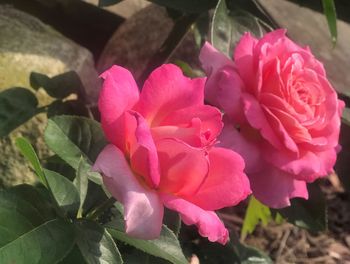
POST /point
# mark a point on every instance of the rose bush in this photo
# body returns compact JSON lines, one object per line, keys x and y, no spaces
{"x":282,"y":114}
{"x":162,"y":153}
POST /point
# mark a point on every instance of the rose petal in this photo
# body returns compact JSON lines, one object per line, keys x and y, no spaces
{"x":288,"y":143}
{"x":143,"y":210}
{"x":245,"y":46}
{"x":249,"y":149}
{"x":229,"y":86}
{"x":118,"y":94}
{"x":183,"y":168}
{"x":167,"y":90}
{"x":213,"y":63}
{"x":243,"y":58}
{"x":226,"y":184}
{"x":210,"y":121}
{"x":307,"y":167}
{"x":275,"y":187}
{"x":212,"y":60}
{"x":296,"y":131}
{"x":208,"y":223}
{"x":257,"y":119}
{"x":191,"y":135}
{"x":144,"y":157}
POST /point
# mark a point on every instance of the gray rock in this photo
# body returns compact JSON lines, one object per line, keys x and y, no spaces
{"x":125,"y":8}
{"x":138,"y":39}
{"x":26,"y":45}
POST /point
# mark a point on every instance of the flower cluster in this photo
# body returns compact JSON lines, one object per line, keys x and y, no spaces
{"x":167,"y":148}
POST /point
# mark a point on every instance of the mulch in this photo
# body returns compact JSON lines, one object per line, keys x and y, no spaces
{"x":286,"y":243}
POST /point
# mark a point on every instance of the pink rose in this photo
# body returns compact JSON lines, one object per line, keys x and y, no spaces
{"x":282,"y":114}
{"x":162,"y":153}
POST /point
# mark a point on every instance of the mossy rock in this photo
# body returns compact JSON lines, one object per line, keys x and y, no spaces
{"x":28,"y":45}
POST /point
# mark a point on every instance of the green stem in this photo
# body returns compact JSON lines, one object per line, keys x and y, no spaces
{"x":95,"y":213}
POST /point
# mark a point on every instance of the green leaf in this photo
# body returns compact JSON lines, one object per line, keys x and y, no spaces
{"x":346,"y":116}
{"x":18,"y":214}
{"x":96,"y":244}
{"x":94,"y":197}
{"x":249,"y":255}
{"x":233,"y":252}
{"x":28,"y":231}
{"x":38,"y":197}
{"x":187,"y":6}
{"x":186,"y":68}
{"x":81,"y":183}
{"x":256,"y":212}
{"x":28,"y":152}
{"x":59,"y":86}
{"x":46,"y":243}
{"x":17,"y":106}
{"x":59,"y":107}
{"x":55,"y":163}
{"x":310,"y":214}
{"x":133,"y":256}
{"x":228,"y":27}
{"x":331,"y":16}
{"x":172,"y":220}
{"x":342,"y":165}
{"x":166,"y":246}
{"x":64,"y":192}
{"x":74,"y":257}
{"x":72,"y":137}
{"x":201,"y":29}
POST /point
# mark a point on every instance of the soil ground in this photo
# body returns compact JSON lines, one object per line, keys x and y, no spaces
{"x":285,"y":243}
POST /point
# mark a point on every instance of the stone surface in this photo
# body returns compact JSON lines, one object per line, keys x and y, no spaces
{"x":309,"y":27}
{"x":140,"y":37}
{"x":126,"y":8}
{"x":137,"y":40}
{"x":26,"y":45}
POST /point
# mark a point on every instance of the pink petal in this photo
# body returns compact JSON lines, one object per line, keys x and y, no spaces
{"x":275,"y":187}
{"x":280,"y":130}
{"x":307,"y":167}
{"x":209,"y":117}
{"x":245,"y":47}
{"x":243,"y":57}
{"x":249,"y":149}
{"x":213,"y":62}
{"x":257,"y":119}
{"x":228,"y":86}
{"x":296,"y":131}
{"x":144,"y":157}
{"x":311,"y":62}
{"x":212,"y":59}
{"x":208,"y":223}
{"x":143,"y":210}
{"x":226,"y":184}
{"x":167,"y":90}
{"x":191,"y":135}
{"x":224,"y":85}
{"x":183,"y":167}
{"x":273,"y":37}
{"x":118,"y":94}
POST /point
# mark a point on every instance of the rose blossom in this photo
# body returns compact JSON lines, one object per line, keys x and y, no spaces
{"x":282,"y":114}
{"x":162,"y":153}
